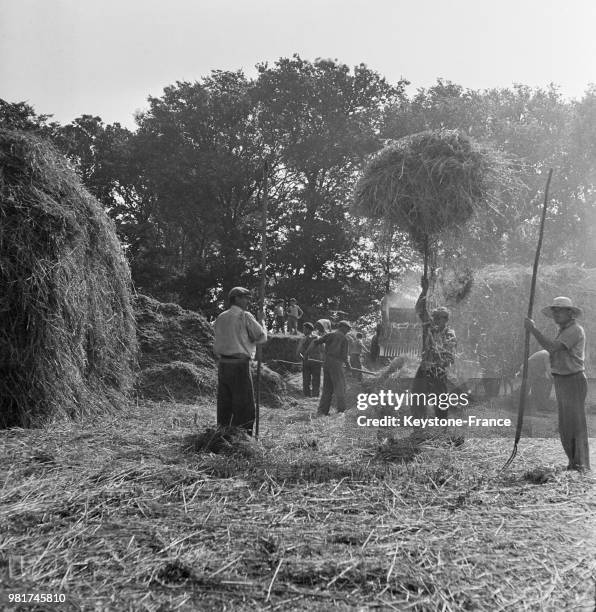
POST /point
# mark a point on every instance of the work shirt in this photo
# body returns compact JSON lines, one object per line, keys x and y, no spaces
{"x":278,"y":311}
{"x":569,"y":360}
{"x":336,"y":345}
{"x":237,"y":333}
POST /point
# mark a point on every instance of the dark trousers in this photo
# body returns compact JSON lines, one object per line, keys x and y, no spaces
{"x":334,"y":383}
{"x":292,"y":324}
{"x":571,"y":397}
{"x":355,"y":362}
{"x":235,"y":396}
{"x":311,"y":378}
{"x":426,"y":382}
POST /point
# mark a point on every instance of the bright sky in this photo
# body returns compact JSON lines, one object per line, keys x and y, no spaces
{"x":104,"y":57}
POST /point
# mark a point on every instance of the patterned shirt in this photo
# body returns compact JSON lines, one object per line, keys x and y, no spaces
{"x":439,"y":352}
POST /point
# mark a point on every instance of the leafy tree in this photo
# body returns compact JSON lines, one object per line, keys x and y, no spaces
{"x":201,"y":158}
{"x":22,"y":116}
{"x":319,"y":121}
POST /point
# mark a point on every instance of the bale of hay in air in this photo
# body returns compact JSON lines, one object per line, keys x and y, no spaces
{"x":429,"y":182}
{"x":67,"y":331}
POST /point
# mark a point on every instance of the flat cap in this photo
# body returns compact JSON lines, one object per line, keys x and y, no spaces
{"x":238,"y":291}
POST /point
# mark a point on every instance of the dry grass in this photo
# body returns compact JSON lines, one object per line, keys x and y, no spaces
{"x":124,"y":514}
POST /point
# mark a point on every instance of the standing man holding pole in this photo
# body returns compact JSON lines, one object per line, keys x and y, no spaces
{"x":237,"y":334}
{"x":567,"y":366}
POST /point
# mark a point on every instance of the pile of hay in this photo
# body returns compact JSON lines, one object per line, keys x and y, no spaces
{"x":431,"y":181}
{"x":231,"y":441}
{"x":489,"y":321}
{"x":279,"y":352}
{"x":67,"y":331}
{"x":176,"y":356}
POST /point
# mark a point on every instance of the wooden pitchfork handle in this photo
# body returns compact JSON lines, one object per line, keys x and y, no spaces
{"x":351,"y":368}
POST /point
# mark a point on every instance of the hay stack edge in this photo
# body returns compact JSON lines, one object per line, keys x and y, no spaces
{"x":67,"y":330}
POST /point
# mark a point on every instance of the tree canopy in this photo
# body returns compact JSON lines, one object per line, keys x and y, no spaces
{"x":184,"y":188}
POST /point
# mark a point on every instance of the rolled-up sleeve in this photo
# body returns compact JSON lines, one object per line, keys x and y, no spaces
{"x":571,"y":336}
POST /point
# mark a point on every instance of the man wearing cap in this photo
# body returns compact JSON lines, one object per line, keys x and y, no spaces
{"x":336,"y":357}
{"x":311,"y":370}
{"x":293,"y":313}
{"x":237,"y":333}
{"x":437,"y":355}
{"x":567,"y":367}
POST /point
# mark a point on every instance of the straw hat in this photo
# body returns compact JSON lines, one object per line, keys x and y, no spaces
{"x":561,"y":302}
{"x":344,"y":324}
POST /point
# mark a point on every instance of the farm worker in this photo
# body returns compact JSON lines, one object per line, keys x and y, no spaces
{"x":280,"y":316}
{"x":375,"y":349}
{"x":540,"y":380}
{"x":311,"y":370}
{"x":437,"y":355}
{"x":336,"y":356}
{"x":566,"y":352}
{"x":356,"y":350}
{"x":294,"y":313}
{"x":237,"y":333}
{"x":323,"y":326}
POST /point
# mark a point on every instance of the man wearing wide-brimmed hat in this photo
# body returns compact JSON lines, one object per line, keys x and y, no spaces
{"x":237,"y":333}
{"x":567,"y":366}
{"x":336,"y":357}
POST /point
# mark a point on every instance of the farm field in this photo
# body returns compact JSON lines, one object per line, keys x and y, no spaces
{"x":122,"y":514}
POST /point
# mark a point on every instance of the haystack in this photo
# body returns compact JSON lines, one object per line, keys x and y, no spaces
{"x":279,"y":353}
{"x":176,"y":356}
{"x":67,"y":332}
{"x":429,"y":182}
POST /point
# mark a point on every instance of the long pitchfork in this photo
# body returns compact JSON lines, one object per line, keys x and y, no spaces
{"x":524,"y":383}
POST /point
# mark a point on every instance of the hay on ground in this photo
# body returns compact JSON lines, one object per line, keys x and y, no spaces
{"x":67,"y":329}
{"x":224,"y":440}
{"x":178,"y":380}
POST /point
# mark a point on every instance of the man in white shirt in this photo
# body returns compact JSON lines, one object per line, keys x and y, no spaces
{"x":237,"y":333}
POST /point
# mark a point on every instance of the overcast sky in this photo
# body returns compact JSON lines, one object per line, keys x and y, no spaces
{"x":104,"y":57}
